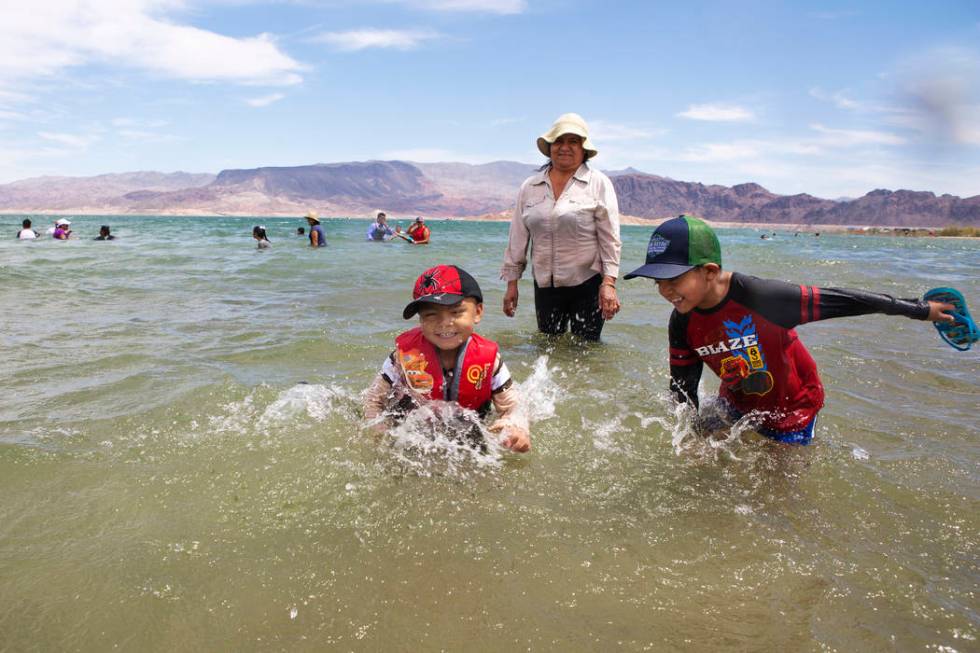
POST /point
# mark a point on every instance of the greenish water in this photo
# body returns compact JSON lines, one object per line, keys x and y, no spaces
{"x":168,"y":483}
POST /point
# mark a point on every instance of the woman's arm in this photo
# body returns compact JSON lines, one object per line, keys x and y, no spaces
{"x":610,"y":247}
{"x":515,"y":255}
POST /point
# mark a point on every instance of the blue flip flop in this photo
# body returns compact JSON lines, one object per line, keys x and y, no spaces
{"x":962,"y":332}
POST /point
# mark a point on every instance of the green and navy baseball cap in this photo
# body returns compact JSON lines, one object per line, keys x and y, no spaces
{"x":678,"y":245}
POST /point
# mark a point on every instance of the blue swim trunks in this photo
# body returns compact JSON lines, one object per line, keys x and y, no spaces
{"x":801,"y":436}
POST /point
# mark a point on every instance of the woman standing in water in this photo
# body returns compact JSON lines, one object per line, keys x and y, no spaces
{"x":568,"y":213}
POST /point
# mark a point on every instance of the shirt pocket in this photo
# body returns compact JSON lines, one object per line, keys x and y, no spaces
{"x":581,"y":207}
{"x":534,"y":197}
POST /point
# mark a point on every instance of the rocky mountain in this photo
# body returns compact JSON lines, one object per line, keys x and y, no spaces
{"x":651,"y":196}
{"x":81,"y":193}
{"x":456,"y":189}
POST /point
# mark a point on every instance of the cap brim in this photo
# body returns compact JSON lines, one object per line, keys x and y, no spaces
{"x":443,"y":299}
{"x":659,"y":271}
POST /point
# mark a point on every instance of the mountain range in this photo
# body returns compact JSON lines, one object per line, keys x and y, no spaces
{"x":456,"y":189}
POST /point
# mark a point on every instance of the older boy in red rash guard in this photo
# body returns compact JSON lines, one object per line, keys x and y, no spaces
{"x":742,"y":327}
{"x":444,"y":359}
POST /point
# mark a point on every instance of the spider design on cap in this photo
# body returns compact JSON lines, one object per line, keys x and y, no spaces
{"x":440,"y":279}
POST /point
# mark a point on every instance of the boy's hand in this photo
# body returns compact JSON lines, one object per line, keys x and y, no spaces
{"x":516,"y":439}
{"x":937,"y":312}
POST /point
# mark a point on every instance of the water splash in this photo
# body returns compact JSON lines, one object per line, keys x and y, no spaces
{"x":313,"y":400}
{"x":443,"y":439}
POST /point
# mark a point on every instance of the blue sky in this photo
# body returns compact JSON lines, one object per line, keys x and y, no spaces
{"x":834,"y":99}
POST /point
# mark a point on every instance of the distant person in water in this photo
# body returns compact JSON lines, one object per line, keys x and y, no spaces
{"x":317,"y":237}
{"x":379,"y":229}
{"x":418,"y":232}
{"x":26,"y":232}
{"x":62,"y":230}
{"x":300,"y":231}
{"x":104,"y":233}
{"x":258,"y":233}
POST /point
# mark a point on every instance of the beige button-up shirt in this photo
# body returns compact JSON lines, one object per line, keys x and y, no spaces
{"x":571,"y":238}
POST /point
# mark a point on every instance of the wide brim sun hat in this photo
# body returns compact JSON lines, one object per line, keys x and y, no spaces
{"x":312,"y":215}
{"x":567,"y":123}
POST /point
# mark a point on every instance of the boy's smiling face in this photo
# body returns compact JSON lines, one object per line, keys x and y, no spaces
{"x":693,"y":289}
{"x":448,"y":327}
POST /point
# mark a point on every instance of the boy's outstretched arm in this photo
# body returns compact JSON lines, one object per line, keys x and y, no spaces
{"x":790,"y":305}
{"x":374,"y":400}
{"x":511,"y":420}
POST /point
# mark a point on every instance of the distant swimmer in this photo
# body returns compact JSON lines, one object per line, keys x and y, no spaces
{"x":379,"y":229}
{"x":62,"y":230}
{"x":26,"y":232}
{"x":300,"y":231}
{"x":317,"y":237}
{"x":104,"y":233}
{"x":418,"y":232}
{"x":258,"y":233}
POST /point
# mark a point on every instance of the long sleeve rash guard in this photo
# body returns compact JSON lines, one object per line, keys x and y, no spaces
{"x":749,"y":341}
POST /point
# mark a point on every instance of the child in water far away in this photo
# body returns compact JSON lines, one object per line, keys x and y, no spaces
{"x":742,"y":328}
{"x":258,"y":233}
{"x":442,"y":358}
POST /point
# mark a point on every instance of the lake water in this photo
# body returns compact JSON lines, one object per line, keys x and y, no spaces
{"x":168,"y":483}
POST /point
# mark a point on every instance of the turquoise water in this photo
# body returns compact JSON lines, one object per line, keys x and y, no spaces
{"x":169,"y":483}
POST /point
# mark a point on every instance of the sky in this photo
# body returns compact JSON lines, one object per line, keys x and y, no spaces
{"x":830,"y":98}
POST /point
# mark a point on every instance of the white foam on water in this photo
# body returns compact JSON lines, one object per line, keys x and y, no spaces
{"x":860,"y":454}
{"x":539,"y":392}
{"x":315,"y":401}
{"x":433,"y":440}
{"x":688,"y":436}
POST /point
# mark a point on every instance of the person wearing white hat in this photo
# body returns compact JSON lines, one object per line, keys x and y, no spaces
{"x":62,"y":229}
{"x":317,"y":237}
{"x":568,"y":214}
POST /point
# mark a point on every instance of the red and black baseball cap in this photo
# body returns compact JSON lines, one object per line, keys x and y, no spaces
{"x":445,"y":285}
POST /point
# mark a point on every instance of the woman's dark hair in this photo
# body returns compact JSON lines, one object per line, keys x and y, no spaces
{"x":260,"y":232}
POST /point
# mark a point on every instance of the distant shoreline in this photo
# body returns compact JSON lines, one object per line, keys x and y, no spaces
{"x":505,"y":216}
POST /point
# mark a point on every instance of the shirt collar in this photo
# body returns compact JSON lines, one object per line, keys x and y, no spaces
{"x":583,"y":174}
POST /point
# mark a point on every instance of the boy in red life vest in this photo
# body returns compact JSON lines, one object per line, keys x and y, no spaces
{"x":418,"y":232}
{"x":742,"y":327}
{"x":444,"y":359}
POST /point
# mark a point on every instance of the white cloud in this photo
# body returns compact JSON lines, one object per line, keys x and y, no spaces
{"x":44,"y":37}
{"x":602,"y":131}
{"x":852,"y":137}
{"x":717,"y":113}
{"x":144,"y":136}
{"x":78,"y":141}
{"x":362,"y":39}
{"x":264,"y":100}
{"x":715,"y":152}
{"x":482,"y":6}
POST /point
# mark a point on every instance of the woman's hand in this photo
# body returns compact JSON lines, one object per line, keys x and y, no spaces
{"x":510,"y":299}
{"x":608,"y":300}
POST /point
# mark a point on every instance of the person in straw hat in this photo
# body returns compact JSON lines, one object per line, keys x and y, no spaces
{"x":317,"y":237}
{"x":568,"y":213}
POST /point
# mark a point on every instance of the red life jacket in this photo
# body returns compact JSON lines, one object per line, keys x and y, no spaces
{"x":470,"y":387}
